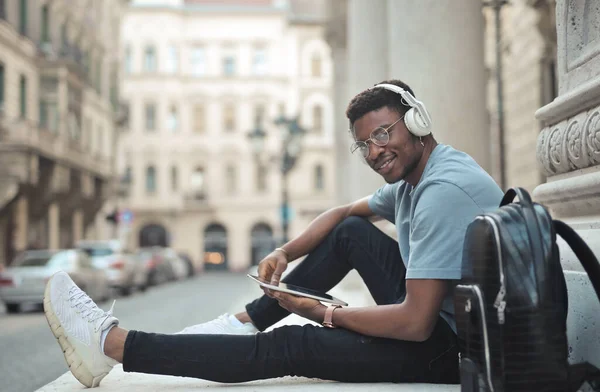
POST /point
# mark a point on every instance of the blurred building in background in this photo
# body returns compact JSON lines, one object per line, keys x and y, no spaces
{"x":198,"y":77}
{"x":58,"y":91}
{"x":527,"y":46}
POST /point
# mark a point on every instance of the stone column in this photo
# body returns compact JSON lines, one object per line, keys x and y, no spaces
{"x":21,"y":224}
{"x":568,"y":150}
{"x":436,"y":47}
{"x":77,"y":226}
{"x":365,"y":62}
{"x":53,"y":226}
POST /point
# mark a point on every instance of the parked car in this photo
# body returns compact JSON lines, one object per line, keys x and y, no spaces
{"x":158,"y":270}
{"x":191,"y":267}
{"x":124,"y":272}
{"x":180,"y":268}
{"x":24,"y":281}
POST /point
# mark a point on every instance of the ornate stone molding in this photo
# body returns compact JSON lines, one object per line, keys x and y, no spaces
{"x":571,"y":144}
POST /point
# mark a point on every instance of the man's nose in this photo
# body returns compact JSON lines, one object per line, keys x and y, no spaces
{"x":375,"y":151}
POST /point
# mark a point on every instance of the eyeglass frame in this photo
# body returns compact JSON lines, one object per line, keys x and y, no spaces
{"x":356,"y":145}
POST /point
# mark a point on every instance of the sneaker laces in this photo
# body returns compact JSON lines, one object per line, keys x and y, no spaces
{"x":88,"y":308}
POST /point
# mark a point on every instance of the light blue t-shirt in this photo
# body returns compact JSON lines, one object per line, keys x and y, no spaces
{"x":431,"y":219}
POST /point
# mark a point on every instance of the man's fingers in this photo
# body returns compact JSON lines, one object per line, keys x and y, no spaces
{"x":275,"y":278}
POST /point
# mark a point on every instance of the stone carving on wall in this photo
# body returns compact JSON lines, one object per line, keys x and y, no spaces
{"x":571,"y":144}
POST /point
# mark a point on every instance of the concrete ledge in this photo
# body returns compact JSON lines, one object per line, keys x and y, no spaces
{"x":118,"y":380}
{"x":352,"y":290}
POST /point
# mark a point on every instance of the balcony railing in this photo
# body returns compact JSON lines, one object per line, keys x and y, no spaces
{"x":23,"y":134}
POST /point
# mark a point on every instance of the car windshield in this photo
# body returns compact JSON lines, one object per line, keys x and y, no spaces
{"x":33,"y":260}
{"x":93,"y":251}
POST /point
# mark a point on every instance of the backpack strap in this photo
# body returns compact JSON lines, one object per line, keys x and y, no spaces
{"x":581,"y":372}
{"x":583,"y":252}
{"x":533,"y":226}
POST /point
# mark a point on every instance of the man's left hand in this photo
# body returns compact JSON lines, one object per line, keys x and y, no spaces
{"x":302,"y":306}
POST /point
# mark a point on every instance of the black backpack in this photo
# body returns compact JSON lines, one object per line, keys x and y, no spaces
{"x":511,"y":303}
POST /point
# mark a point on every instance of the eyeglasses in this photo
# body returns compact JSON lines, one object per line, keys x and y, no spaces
{"x":380,"y":137}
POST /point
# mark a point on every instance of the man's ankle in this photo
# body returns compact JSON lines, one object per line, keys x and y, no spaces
{"x":244,"y":318}
{"x":114,"y":346}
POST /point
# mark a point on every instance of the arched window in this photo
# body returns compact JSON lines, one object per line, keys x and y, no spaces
{"x":150,"y":179}
{"x":319,"y":178}
{"x":316,"y":66}
{"x":173,"y":120}
{"x":317,"y":119}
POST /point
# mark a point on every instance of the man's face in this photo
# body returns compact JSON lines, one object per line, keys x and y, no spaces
{"x":400,"y":156}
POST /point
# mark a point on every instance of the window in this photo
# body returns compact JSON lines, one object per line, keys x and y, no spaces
{"x":199,"y":119}
{"x":231,"y":179}
{"x":23,"y":17}
{"x":128,"y":60}
{"x":173,"y":120}
{"x":150,"y":115}
{"x":64,"y":36}
{"x":319,"y":180}
{"x":23,"y":96}
{"x":317,"y":118}
{"x":128,"y":176}
{"x":261,"y":178}
{"x":150,"y":59}
{"x":98,"y":76}
{"x":259,"y":61}
{"x":198,"y":59}
{"x":281,"y":109}
{"x":174,"y":178}
{"x":197,"y":183}
{"x":259,"y":114}
{"x":315,"y":66}
{"x":49,"y":115}
{"x":150,"y":179}
{"x":229,"y":117}
{"x":45,"y":28}
{"x":3,"y":9}
{"x":229,"y":65}
{"x":172,"y":60}
{"x":2,"y":87}
{"x":100,"y":144}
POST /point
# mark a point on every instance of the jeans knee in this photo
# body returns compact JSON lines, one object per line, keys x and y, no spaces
{"x":352,"y":226}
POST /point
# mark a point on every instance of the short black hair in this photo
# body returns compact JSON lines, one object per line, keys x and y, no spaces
{"x":374,"y":99}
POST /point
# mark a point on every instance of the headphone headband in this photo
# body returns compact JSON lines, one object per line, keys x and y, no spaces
{"x":410,"y":101}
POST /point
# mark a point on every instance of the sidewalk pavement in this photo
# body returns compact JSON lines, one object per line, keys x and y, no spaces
{"x":351,"y":290}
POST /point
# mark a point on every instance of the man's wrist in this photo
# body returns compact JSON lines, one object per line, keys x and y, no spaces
{"x":318,"y":313}
{"x":284,"y":252}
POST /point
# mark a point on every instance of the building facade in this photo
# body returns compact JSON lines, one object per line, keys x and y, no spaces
{"x":195,"y":89}
{"x":58,"y":97}
{"x":527,"y":48}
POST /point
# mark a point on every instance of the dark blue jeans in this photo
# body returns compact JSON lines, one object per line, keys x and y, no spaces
{"x":309,"y":351}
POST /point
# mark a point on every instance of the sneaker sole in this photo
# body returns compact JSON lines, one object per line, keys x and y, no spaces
{"x":76,"y":366}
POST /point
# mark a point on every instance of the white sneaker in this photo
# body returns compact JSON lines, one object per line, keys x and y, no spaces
{"x":77,"y":323}
{"x":222,"y":325}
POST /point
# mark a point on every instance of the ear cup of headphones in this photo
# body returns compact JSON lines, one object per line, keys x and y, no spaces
{"x":415,"y":124}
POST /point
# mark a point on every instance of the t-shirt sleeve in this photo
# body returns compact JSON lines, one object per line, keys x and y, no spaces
{"x":441,"y":216}
{"x":383,"y":202}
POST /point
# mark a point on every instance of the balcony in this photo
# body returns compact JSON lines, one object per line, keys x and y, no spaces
{"x":18,"y":135}
{"x":197,"y":201}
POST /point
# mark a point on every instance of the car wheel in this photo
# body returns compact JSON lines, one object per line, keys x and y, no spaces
{"x":125,"y":291}
{"x":13,"y":308}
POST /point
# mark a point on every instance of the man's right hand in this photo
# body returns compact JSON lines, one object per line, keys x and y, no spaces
{"x":271,"y":268}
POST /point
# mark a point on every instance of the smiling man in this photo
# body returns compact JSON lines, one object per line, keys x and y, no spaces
{"x":433,"y":193}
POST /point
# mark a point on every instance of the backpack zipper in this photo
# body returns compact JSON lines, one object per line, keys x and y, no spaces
{"x":499,"y":302}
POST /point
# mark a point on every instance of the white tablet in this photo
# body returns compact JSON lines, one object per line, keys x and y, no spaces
{"x":299,"y":291}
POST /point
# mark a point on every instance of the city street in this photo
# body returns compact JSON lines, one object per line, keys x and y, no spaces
{"x":30,"y":356}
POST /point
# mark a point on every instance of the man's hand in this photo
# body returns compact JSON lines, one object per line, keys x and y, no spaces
{"x":306,"y":307}
{"x":271,"y":267}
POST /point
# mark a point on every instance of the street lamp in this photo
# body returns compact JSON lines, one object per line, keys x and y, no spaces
{"x":291,"y":148}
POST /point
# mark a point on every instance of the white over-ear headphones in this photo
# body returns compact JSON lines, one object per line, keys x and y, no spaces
{"x":417,"y":119}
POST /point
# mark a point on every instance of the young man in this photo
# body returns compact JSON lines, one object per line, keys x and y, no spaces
{"x":433,"y":193}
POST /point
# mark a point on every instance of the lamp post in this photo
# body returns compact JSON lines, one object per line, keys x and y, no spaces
{"x":291,"y":148}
